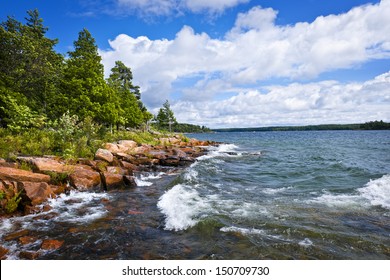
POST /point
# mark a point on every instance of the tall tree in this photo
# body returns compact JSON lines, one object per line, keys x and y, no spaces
{"x":85,"y":90}
{"x":121,"y":81}
{"x":29,"y":66}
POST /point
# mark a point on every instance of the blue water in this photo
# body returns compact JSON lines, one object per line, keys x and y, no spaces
{"x":260,"y":195}
{"x":321,"y":194}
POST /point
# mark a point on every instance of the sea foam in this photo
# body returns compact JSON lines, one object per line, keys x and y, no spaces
{"x":182,"y":207}
{"x":374,"y":193}
{"x":377,"y":192}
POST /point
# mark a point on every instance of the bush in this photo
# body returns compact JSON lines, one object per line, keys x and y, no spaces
{"x":13,"y":203}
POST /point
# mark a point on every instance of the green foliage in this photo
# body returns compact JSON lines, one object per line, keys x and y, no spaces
{"x":165,"y":117}
{"x":375,"y":125}
{"x":190,"y":128}
{"x":57,"y":178}
{"x":25,"y":166}
{"x":2,"y":195}
{"x":12,"y":204}
{"x":38,"y":86}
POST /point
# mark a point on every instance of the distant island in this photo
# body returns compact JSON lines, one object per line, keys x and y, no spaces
{"x":373,"y":125}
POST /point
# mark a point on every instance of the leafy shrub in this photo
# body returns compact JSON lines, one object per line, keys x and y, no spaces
{"x":13,"y":203}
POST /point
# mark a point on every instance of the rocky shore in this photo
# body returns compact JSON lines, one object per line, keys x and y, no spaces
{"x":27,"y":182}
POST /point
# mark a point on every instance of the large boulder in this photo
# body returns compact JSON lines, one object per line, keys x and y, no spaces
{"x":19,"y":175}
{"x":144,"y":149}
{"x":35,"y":193}
{"x":179,"y":153}
{"x":116,"y":148}
{"x":128,"y":166}
{"x":117,"y":170}
{"x":103,"y":154}
{"x":84,"y":179}
{"x":129,"y":144}
{"x":113,"y":181}
{"x":47,"y":165}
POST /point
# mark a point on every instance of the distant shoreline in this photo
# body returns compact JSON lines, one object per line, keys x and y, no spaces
{"x":377,"y":125}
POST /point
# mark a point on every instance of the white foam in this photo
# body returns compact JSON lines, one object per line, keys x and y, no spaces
{"x":306,"y":242}
{"x":340,"y":200}
{"x":142,"y":183}
{"x":152,"y":176}
{"x":143,"y":180}
{"x":377,"y":192}
{"x":243,"y":231}
{"x":191,"y":174}
{"x":182,"y":207}
{"x":221,"y":150}
{"x":275,"y":191}
{"x":78,"y":207}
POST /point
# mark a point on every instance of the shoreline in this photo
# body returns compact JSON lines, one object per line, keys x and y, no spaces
{"x":114,"y":168}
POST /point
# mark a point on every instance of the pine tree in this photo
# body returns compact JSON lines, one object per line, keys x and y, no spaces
{"x":85,"y":90}
{"x":165,"y":117}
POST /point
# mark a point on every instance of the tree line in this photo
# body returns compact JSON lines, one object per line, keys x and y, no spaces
{"x":39,"y":85}
{"x":373,"y":125}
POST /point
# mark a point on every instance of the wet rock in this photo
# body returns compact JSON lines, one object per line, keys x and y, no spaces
{"x":24,"y":240}
{"x":128,"y":166}
{"x":105,"y":155}
{"x":3,"y":252}
{"x":129,"y":181}
{"x":29,"y":255}
{"x":171,"y":161}
{"x":134,"y":212}
{"x":51,"y":244}
{"x":84,"y":179}
{"x":179,"y":153}
{"x":12,"y":174}
{"x":35,"y":193}
{"x":16,"y":235}
{"x":113,"y":181}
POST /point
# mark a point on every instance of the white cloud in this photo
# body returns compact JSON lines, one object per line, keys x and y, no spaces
{"x":294,"y":104}
{"x":254,"y":50}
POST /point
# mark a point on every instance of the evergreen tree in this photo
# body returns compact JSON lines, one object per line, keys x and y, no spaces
{"x":29,"y":67}
{"x":165,"y":117}
{"x":85,"y":92}
{"x":132,"y":111}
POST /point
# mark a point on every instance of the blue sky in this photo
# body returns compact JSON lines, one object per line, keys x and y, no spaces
{"x":236,"y":63}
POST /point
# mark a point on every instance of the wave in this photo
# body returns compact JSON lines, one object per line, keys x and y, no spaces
{"x":182,"y":207}
{"x":374,"y":193}
{"x":377,"y":192}
{"x":229,"y":150}
{"x":143,"y":180}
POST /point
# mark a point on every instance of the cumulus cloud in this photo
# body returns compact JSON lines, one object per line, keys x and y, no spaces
{"x":294,"y":104}
{"x":254,"y":50}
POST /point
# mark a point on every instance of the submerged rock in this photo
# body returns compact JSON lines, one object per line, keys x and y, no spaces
{"x":51,"y":244}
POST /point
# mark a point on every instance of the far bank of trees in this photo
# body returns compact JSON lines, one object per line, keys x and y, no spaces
{"x":166,"y":120}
